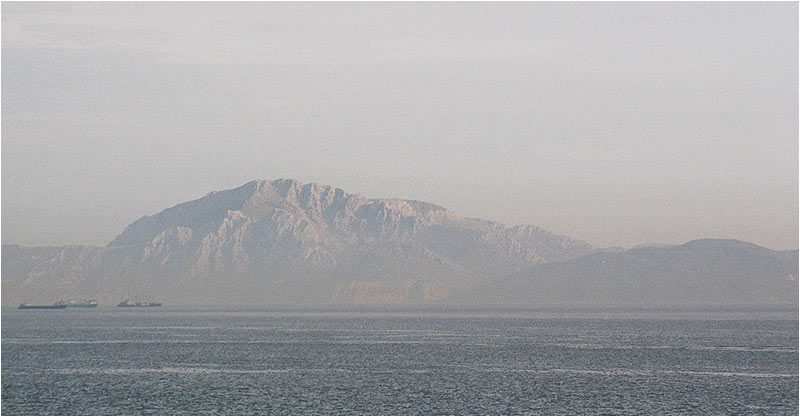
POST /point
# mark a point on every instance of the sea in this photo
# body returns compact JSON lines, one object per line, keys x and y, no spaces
{"x":399,"y":361}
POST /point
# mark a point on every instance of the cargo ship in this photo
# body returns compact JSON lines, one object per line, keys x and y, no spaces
{"x":128,"y":303}
{"x":84,"y":304}
{"x":26,"y":306}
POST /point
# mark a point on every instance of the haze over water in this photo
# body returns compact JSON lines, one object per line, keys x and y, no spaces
{"x":526,"y":153}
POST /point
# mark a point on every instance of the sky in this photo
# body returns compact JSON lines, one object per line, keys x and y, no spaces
{"x":615,"y":123}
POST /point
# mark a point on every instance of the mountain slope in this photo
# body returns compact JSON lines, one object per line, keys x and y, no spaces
{"x":284,"y":241}
{"x":707,"y":271}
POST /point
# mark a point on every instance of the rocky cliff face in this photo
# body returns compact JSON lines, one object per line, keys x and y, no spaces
{"x":286,"y":242}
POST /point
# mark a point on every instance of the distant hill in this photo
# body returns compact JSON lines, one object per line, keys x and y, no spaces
{"x":286,"y":242}
{"x":700,"y":272}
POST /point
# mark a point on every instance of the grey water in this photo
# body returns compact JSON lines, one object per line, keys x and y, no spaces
{"x":398,"y":361}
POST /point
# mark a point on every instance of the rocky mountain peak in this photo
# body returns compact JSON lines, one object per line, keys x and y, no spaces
{"x":287,"y":234}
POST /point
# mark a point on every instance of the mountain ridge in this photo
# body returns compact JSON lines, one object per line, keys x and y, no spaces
{"x":283,"y":241}
{"x":274,"y":235}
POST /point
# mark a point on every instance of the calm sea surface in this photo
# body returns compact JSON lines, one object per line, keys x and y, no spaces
{"x":398,"y":361}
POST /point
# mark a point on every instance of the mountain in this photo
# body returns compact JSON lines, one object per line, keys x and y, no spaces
{"x":286,"y":242}
{"x":707,"y":271}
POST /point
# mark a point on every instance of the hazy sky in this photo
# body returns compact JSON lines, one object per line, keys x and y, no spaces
{"x":616,"y":123}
